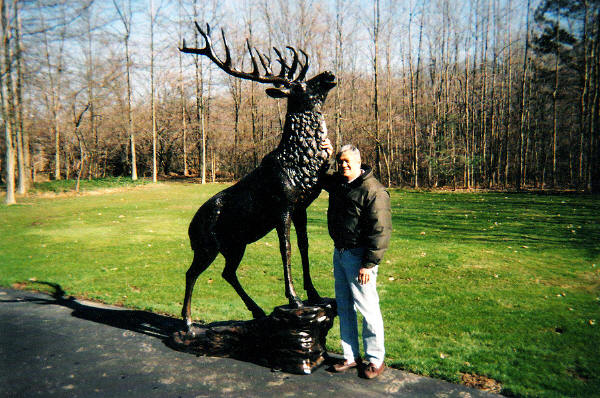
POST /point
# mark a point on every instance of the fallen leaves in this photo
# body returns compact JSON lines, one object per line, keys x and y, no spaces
{"x":481,"y":382}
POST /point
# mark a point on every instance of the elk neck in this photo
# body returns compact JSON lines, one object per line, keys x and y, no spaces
{"x":299,"y":151}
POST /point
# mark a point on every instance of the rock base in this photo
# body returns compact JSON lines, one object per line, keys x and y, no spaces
{"x":289,"y":339}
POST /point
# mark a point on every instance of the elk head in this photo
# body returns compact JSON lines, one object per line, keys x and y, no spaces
{"x":303,"y":95}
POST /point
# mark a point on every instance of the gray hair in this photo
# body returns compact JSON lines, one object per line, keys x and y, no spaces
{"x":349,"y":148}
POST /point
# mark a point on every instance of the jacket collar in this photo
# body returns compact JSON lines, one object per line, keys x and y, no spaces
{"x":366,"y":172}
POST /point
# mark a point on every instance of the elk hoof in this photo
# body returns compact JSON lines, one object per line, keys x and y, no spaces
{"x":295,"y":302}
{"x":258,"y":313}
{"x":314,"y":298}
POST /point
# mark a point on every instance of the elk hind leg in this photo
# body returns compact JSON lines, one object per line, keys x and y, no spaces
{"x":202,"y":259}
{"x":233,"y":257}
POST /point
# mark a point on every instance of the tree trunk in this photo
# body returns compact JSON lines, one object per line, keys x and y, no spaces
{"x":94,"y":157}
{"x":521,"y":179}
{"x":594,"y":145}
{"x":555,"y":101}
{"x":339,"y":67}
{"x":413,"y":102}
{"x":152,"y":101}
{"x":183,"y":116}
{"x":508,"y":133}
{"x":134,"y":175}
{"x":467,"y":176}
{"x":81,"y":142}
{"x":200,"y":104}
{"x":376,"y":87}
{"x":583,"y":101}
{"x":6,"y":107}
{"x":10,"y":160}
{"x":23,"y":175}
{"x":126,"y":20}
{"x":54,"y":102}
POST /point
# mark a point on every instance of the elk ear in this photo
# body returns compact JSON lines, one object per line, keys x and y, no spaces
{"x":278,"y":92}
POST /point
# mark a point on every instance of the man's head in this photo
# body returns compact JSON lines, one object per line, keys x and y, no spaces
{"x":348,"y":160}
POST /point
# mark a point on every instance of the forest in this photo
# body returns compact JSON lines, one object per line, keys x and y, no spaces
{"x":468,"y":94}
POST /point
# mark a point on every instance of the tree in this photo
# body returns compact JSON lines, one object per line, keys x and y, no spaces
{"x":376,"y":27}
{"x":23,"y":175}
{"x":152,"y":100}
{"x":460,"y":94}
{"x":126,"y":15}
{"x":183,"y":102}
{"x":55,"y":71}
{"x":565,"y":47}
{"x":6,"y":105}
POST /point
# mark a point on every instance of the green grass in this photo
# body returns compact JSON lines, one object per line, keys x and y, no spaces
{"x":62,"y":186}
{"x":505,"y":286}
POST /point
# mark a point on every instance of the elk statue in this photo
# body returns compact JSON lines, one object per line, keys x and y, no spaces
{"x":278,"y":191}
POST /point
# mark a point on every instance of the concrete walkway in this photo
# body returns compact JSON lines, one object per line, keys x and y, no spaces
{"x":73,"y":348}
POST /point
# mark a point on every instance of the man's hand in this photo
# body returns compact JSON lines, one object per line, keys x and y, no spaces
{"x":364,"y":276}
{"x":326,"y":145}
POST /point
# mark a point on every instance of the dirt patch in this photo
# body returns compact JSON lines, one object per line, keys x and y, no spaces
{"x":578,"y":375}
{"x":481,"y":382}
{"x":19,"y":285}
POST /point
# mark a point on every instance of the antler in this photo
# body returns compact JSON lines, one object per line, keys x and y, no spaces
{"x":286,"y":73}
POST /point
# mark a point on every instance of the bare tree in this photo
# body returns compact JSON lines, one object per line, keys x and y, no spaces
{"x":126,"y":15}
{"x":376,"y":27}
{"x":152,"y":100}
{"x":6,"y":106}
{"x":80,"y":139}
{"x":183,"y":102}
{"x":200,"y":101}
{"x":522,"y":154}
{"x":338,"y":67}
{"x":55,"y":76}
{"x":18,"y":101}
{"x":451,"y":117}
{"x":555,"y":98}
{"x":414,"y":77}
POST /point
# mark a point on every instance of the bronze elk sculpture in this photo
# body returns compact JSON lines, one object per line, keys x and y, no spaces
{"x":278,"y":191}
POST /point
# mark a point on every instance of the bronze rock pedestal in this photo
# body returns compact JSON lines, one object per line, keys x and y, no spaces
{"x":289,"y":339}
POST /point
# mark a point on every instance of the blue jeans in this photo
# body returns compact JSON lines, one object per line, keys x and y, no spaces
{"x":350,"y":296}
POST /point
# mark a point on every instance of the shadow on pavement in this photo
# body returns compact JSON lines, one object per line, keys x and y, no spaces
{"x":148,"y":323}
{"x":225,"y":339}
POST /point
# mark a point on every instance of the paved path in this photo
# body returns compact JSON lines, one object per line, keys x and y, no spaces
{"x":73,"y":348}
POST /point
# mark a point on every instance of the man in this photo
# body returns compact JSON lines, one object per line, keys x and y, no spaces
{"x":359,"y":221}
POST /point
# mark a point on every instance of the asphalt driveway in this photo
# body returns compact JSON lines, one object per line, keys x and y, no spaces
{"x":53,"y":346}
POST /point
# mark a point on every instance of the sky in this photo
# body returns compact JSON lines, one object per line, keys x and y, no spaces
{"x":174,"y":19}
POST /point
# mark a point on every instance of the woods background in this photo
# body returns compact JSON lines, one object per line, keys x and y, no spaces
{"x":494,"y":94}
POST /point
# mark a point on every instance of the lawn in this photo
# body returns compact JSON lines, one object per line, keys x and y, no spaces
{"x":504,"y":286}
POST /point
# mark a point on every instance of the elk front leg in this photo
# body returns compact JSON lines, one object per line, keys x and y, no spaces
{"x":299,"y":219}
{"x":283,"y":232}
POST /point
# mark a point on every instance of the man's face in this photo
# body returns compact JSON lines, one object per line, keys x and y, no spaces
{"x":349,"y":165}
